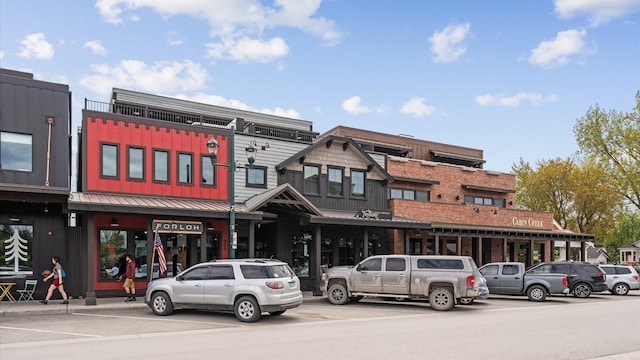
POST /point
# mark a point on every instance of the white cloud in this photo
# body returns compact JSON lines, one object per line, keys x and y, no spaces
{"x":597,"y":11}
{"x":560,"y":50}
{"x":161,"y":77}
{"x":174,"y":39}
{"x":416,"y":106}
{"x":353,"y":106}
{"x":237,"y":104}
{"x":448,"y":44}
{"x":245,"y":50}
{"x":515,"y":100}
{"x":238,"y":26}
{"x":1,"y":54}
{"x":96,"y":47}
{"x":35,"y":46}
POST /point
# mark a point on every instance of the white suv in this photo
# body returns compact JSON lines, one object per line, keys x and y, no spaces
{"x":621,"y":278}
{"x":248,"y":287}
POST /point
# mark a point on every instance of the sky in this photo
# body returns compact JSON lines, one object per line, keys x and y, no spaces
{"x":507,"y":77}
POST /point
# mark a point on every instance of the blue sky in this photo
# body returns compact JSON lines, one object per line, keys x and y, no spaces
{"x":508,"y":77}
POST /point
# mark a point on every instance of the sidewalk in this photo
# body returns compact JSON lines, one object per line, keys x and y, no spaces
{"x":54,"y":307}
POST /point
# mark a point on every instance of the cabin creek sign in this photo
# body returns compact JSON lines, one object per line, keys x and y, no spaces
{"x":184,"y":227}
{"x":528,"y":222}
{"x":374,"y":214}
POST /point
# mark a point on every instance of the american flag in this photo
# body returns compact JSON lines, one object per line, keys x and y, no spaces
{"x":162,"y":260}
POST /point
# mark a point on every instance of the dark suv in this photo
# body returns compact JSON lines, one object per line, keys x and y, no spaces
{"x":583,"y":277}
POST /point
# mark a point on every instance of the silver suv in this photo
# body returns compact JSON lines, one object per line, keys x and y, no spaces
{"x":248,"y":287}
{"x":621,"y":278}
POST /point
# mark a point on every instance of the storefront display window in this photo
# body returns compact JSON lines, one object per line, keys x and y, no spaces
{"x":113,"y":248}
{"x":15,"y":250}
{"x":300,"y":255}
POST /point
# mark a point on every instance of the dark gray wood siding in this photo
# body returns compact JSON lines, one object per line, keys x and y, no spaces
{"x":375,"y":193}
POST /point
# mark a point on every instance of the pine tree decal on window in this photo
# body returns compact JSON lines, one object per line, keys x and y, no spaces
{"x":16,"y":250}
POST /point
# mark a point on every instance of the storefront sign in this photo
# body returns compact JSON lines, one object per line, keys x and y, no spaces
{"x":184,"y":227}
{"x":374,"y":214}
{"x":528,"y":222}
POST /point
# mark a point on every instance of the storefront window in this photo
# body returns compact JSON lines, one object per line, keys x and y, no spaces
{"x":113,"y":248}
{"x":300,"y":254}
{"x":15,"y":250}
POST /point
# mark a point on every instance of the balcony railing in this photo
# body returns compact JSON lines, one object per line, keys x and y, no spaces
{"x":194,"y":119}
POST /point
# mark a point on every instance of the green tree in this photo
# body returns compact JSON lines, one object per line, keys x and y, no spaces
{"x":626,"y":232}
{"x":580,"y":196}
{"x":613,"y":139}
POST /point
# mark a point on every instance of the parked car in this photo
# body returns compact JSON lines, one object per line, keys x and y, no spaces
{"x":248,"y":287}
{"x":510,"y":278}
{"x":141,"y":272}
{"x":443,"y":280}
{"x":621,"y":278}
{"x":583,"y":278}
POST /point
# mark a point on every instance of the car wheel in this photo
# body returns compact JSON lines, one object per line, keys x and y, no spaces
{"x":246,"y":309}
{"x":581,"y":290}
{"x":466,"y":301}
{"x":161,"y":304}
{"x":277,"y":313}
{"x":536,"y":293}
{"x":338,"y":294}
{"x":441,"y":299}
{"x":620,"y":289}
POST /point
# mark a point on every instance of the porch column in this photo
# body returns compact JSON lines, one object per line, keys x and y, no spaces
{"x":479,"y":250}
{"x":365,"y":244}
{"x":459,"y":245}
{"x":530,"y":253}
{"x":583,"y":251}
{"x":252,"y":238}
{"x":504,"y":249}
{"x":437,"y":245}
{"x":567,"y":248}
{"x":315,"y":270}
{"x":90,"y":297}
{"x":406,"y":242}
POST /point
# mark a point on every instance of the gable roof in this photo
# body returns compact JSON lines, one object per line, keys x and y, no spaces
{"x":329,"y":141}
{"x":283,"y":197}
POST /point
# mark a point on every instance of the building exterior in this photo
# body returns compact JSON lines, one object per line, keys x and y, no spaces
{"x":472,"y":211}
{"x":630,"y":254}
{"x":35,"y":163}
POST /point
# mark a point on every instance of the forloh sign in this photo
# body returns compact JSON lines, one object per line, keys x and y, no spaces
{"x":172,"y":226}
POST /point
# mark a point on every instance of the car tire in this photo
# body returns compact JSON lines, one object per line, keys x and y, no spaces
{"x":536,"y":293}
{"x":338,"y":294}
{"x":247,"y":309}
{"x":161,"y":304}
{"x":620,"y":289}
{"x":581,"y":290}
{"x":441,"y":299}
{"x":466,"y":301}
{"x":277,"y":313}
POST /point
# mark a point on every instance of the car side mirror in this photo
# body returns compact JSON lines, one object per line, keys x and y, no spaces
{"x":180,"y":278}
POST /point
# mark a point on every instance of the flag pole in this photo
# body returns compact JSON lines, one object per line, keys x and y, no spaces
{"x":153,"y":256}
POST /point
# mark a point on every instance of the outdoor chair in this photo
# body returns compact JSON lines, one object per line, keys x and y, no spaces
{"x":26,"y":294}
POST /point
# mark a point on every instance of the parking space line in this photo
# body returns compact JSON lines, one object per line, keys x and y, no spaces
{"x":48,"y":331}
{"x":159,"y":319}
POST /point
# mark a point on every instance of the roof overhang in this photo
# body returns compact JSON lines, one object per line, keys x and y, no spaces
{"x":416,"y":180}
{"x":506,"y":233}
{"x":284,"y":198}
{"x":487,"y":188}
{"x":350,"y":218}
{"x":156,"y":205}
{"x":464,"y":159}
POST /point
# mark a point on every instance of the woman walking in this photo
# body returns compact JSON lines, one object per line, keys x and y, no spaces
{"x":58,"y":278}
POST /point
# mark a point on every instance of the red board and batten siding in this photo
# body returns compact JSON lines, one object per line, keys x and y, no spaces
{"x":149,"y":137}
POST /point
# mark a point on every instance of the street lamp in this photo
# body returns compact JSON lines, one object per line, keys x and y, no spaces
{"x":251,"y":150}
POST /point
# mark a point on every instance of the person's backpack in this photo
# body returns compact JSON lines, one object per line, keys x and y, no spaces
{"x":63,"y":274}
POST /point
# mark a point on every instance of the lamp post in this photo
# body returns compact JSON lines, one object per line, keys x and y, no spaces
{"x":251,"y":150}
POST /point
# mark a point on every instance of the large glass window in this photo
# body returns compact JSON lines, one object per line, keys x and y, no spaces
{"x":312,"y":179}
{"x":335,"y":176}
{"x":208,"y":176}
{"x":135,"y":163}
{"x":160,"y":165}
{"x":113,"y":248}
{"x":257,"y":177}
{"x":16,"y":245}
{"x":15,"y":152}
{"x":405,"y":194}
{"x":109,"y":160}
{"x":185,"y":168}
{"x":357,"y":183}
{"x":479,"y":200}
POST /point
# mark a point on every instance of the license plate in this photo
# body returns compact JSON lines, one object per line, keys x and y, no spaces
{"x":292,"y":285}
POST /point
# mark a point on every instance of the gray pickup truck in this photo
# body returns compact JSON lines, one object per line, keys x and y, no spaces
{"x":510,"y":278}
{"x":443,"y":280}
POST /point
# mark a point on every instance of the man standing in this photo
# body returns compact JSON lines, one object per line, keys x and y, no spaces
{"x":129,"y":279}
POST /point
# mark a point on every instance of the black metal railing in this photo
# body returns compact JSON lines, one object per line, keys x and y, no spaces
{"x":194,"y":119}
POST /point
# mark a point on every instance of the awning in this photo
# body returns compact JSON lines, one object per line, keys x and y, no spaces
{"x":156,"y":205}
{"x":349,"y":218}
{"x":505,"y":233}
{"x":463,"y":158}
{"x":488,"y":188}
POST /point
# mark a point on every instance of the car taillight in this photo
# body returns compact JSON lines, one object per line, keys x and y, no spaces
{"x":275,"y":285}
{"x":564,"y":281}
{"x":604,"y":277}
{"x":636,"y":277}
{"x":470,"y":280}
